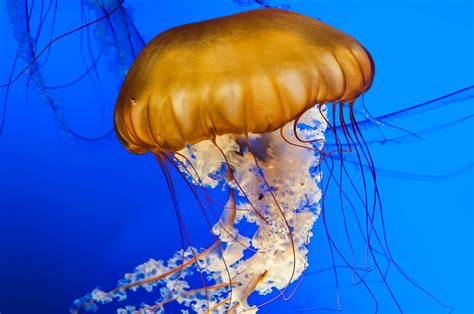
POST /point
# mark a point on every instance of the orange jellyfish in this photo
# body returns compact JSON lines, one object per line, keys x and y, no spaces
{"x":240,"y":102}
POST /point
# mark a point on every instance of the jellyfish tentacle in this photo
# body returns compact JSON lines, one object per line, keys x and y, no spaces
{"x":341,"y":176}
{"x":172,"y":191}
{"x":368,"y":246}
{"x":366,"y":153}
{"x":181,"y":236}
{"x":328,"y":236}
{"x":386,"y":250}
{"x":362,"y":154}
{"x":369,"y":225}
{"x":384,"y":253}
{"x":333,"y":131}
{"x":384,"y":235}
{"x":364,"y":204}
{"x":332,"y":245}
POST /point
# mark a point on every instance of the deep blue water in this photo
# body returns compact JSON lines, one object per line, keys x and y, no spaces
{"x":76,"y":215}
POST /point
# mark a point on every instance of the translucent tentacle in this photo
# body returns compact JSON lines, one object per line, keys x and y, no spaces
{"x":389,"y":122}
{"x":116,"y":35}
{"x":18,"y":12}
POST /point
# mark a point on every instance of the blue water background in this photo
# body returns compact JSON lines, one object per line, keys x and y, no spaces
{"x":75,"y":216}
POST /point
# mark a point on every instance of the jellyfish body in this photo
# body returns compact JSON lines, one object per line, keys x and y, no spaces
{"x":213,"y":100}
{"x":250,"y":72}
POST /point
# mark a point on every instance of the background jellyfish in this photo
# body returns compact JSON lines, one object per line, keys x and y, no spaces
{"x":108,"y":229}
{"x":263,"y":3}
{"x":33,"y":24}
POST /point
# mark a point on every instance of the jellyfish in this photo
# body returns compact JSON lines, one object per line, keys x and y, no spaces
{"x":243,"y":104}
{"x":105,"y":35}
{"x":240,"y":102}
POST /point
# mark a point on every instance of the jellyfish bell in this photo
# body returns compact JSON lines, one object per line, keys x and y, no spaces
{"x":249,"y":72}
{"x":213,"y":99}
